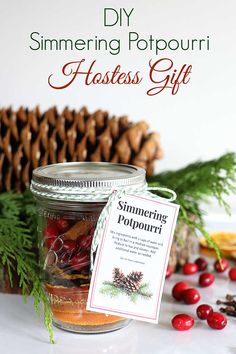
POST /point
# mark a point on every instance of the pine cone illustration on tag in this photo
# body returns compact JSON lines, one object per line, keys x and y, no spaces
{"x":131,"y":285}
{"x":118,"y":277}
{"x":136,"y":277}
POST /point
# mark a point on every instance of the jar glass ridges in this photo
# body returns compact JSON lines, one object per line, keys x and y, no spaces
{"x":67,"y":220}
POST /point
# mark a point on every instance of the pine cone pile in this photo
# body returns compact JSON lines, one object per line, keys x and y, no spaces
{"x":29,"y":138}
{"x":131,"y":283}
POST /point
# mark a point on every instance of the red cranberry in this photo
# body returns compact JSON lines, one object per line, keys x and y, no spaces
{"x":91,"y":231}
{"x":191,"y":296}
{"x":80,"y":260}
{"x":69,"y":245}
{"x":168,"y":272}
{"x":221,"y":266}
{"x":64,"y":259}
{"x":68,"y":250}
{"x":63,"y":225}
{"x":50,"y":221}
{"x":178,"y":290}
{"x":49,"y":241}
{"x":51,"y":231}
{"x":201,"y":264}
{"x":216,"y":320}
{"x":182,"y":322}
{"x":203,"y":311}
{"x":54,"y":244}
{"x":206,"y":279}
{"x":232,"y":274}
{"x":190,"y":268}
{"x":84,"y":242}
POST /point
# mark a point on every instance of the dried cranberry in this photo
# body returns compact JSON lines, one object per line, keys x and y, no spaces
{"x":69,"y":245}
{"x":62,"y":224}
{"x":182,"y":322}
{"x":64,"y":259}
{"x":84,"y":242}
{"x":203,"y":311}
{"x":221,"y":265}
{"x":80,"y":260}
{"x":201,"y":264}
{"x":54,"y":244}
{"x":91,"y":231}
{"x":191,"y":296}
{"x":206,"y":279}
{"x":216,"y":320}
{"x":178,"y":290}
{"x":49,"y":242}
{"x":51,"y":231}
{"x":190,"y":268}
{"x":67,"y":252}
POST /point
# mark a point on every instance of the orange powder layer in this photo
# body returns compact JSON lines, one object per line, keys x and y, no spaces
{"x":69,"y":306}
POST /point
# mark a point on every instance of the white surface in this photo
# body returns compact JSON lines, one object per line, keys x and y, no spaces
{"x":22,"y":333}
{"x":199,"y":122}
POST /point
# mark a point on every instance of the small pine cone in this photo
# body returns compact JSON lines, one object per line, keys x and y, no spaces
{"x":117,"y":273}
{"x":118,"y":277}
{"x":129,"y":285}
{"x":136,"y":277}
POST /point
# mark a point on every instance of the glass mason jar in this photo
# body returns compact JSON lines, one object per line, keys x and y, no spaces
{"x":70,"y":198}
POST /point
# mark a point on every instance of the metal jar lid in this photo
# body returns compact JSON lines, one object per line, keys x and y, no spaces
{"x":85,"y":181}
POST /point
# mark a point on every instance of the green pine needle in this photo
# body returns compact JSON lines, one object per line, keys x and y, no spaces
{"x":108,"y":288}
{"x":144,"y":290}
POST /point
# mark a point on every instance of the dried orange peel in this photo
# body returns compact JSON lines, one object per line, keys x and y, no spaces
{"x":226,"y":241}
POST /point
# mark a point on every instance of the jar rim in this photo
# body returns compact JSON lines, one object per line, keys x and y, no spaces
{"x":70,"y":180}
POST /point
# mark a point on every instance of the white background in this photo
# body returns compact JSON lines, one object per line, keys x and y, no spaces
{"x":197,"y":123}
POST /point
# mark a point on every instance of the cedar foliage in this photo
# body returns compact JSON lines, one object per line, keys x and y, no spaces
{"x":17,"y":244}
{"x":196,"y":184}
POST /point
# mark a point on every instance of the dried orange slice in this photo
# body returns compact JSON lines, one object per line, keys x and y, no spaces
{"x":226,"y":241}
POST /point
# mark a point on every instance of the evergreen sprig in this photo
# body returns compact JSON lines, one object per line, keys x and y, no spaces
{"x":197,"y":183}
{"x":17,"y":221}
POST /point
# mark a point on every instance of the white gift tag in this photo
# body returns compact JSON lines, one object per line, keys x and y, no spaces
{"x":132,"y":257}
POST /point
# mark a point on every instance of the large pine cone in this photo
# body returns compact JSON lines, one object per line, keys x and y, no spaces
{"x":29,"y":138}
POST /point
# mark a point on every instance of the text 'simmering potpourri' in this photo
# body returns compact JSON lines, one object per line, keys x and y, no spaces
{"x":163,"y":72}
{"x":131,"y":260}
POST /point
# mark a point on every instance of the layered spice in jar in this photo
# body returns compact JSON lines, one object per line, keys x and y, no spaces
{"x":70,"y":198}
